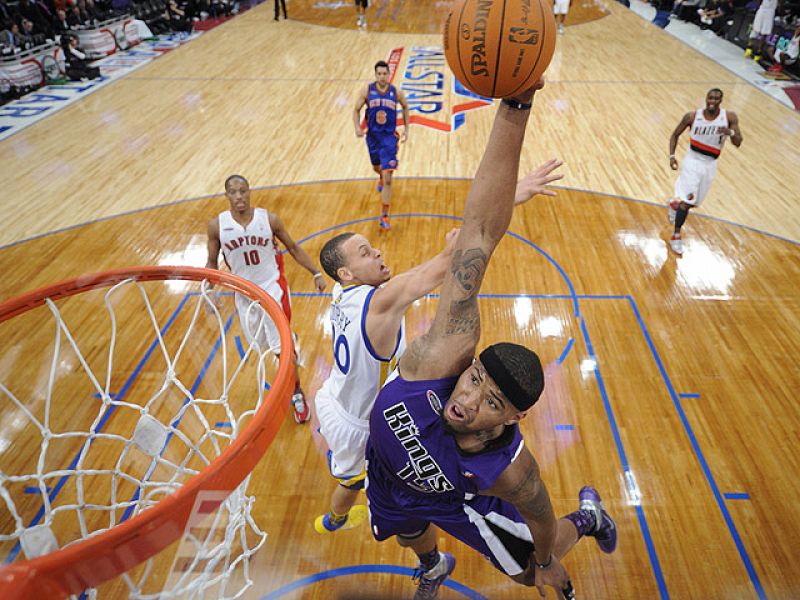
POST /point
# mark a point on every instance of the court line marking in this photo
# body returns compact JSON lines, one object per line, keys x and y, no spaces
{"x":359,"y":569}
{"x":736,"y":496}
{"x":372,"y":179}
{"x":688,"y":395}
{"x":566,"y":350}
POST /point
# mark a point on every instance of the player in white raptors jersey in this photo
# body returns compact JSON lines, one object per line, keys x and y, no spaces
{"x":248,"y":238}
{"x":710,"y":127}
{"x":367,"y":318}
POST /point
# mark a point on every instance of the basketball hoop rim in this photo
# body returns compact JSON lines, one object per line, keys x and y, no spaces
{"x":90,"y":562}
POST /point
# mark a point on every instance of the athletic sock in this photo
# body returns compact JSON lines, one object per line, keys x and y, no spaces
{"x":584,"y":521}
{"x":429,"y":560}
{"x":680,"y":218}
{"x":337,"y":519}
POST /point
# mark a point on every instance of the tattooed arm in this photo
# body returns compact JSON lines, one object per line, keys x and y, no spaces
{"x":449,"y":345}
{"x":521,"y":485}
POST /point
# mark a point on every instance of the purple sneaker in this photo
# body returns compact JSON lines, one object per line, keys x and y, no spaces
{"x":428,"y":582}
{"x":606,"y":531}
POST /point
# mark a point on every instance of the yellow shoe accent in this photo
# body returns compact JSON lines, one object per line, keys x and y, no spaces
{"x":357,"y":515}
{"x":757,"y":57}
{"x":748,"y":53}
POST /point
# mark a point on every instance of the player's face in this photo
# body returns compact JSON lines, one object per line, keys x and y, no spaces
{"x":477,"y":404}
{"x":364,"y":262}
{"x":713,"y":100}
{"x":382,"y":76}
{"x":238,"y":194}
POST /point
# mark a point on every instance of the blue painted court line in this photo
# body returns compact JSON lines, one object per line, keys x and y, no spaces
{"x":174,"y":425}
{"x":109,"y":411}
{"x":737,"y":496}
{"x":648,"y":538}
{"x":567,"y":348}
{"x":357,"y":569}
{"x":700,"y":456}
{"x":225,"y":424}
{"x":239,"y":346}
{"x":34,"y":490}
{"x":110,"y":394}
{"x":565,"y":427}
{"x":688,"y":395}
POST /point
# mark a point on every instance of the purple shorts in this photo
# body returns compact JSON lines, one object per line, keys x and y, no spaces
{"x":488,"y":524}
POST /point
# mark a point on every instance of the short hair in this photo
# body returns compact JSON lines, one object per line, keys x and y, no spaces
{"x":381,"y":63}
{"x":721,"y":93}
{"x":331,"y":256}
{"x":517,"y":371}
{"x":232,"y":177}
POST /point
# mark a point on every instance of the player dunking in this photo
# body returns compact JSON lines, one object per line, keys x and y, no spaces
{"x":710,"y":127}
{"x":381,"y":99}
{"x":444,"y":447}
{"x":367,"y":322}
{"x":248,"y":238}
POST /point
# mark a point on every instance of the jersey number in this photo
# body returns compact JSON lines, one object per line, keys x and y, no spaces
{"x":380,"y":117}
{"x":340,"y":348}
{"x":252,"y":258}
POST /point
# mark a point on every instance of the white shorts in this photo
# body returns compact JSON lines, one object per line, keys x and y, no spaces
{"x":694,"y":178}
{"x":257,"y":327}
{"x":346,"y":436}
{"x":561,"y":7}
{"x":762,"y":23}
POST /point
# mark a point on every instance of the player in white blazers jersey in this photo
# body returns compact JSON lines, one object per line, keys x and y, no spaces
{"x":710,"y":127}
{"x":248,"y":238}
{"x":367,"y":318}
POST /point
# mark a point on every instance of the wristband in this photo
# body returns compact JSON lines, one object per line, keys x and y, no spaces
{"x":317,"y":275}
{"x":545,"y":565}
{"x":672,"y":156}
{"x":516,"y":104}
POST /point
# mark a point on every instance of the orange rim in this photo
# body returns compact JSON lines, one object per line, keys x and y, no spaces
{"x":100,"y":558}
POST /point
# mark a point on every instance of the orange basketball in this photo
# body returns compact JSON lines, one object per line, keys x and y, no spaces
{"x":498,"y":48}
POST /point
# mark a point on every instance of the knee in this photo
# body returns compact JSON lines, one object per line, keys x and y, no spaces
{"x":387,"y":178}
{"x":684,"y":206}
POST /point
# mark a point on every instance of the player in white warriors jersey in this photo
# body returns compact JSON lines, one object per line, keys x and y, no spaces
{"x":710,"y":127}
{"x":367,"y":318}
{"x":248,"y":238}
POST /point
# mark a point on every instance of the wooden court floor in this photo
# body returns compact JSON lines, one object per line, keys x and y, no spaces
{"x":671,"y":383}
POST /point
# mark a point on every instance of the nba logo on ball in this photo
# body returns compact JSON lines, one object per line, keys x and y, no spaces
{"x":499,"y":49}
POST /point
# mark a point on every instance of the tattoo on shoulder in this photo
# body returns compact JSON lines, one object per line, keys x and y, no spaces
{"x":530,"y":495}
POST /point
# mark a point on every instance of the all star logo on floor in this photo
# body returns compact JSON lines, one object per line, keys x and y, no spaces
{"x":436,"y":99}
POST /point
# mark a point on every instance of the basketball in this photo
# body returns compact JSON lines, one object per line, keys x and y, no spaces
{"x":499,"y":48}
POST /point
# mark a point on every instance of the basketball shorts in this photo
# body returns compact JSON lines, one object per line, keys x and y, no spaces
{"x":257,"y":327}
{"x":346,"y":436}
{"x":762,"y":23}
{"x":383,"y":150}
{"x":694,"y":178}
{"x":364,"y":3}
{"x":561,"y":7}
{"x":487,"y":524}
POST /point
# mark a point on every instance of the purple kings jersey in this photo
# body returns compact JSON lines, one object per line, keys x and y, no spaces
{"x":413,"y":458}
{"x":381,"y":110}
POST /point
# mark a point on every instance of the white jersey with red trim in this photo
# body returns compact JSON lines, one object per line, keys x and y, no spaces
{"x":252,"y":252}
{"x":705,"y":137}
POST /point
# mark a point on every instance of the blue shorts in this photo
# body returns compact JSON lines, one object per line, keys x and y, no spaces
{"x":383,"y":150}
{"x":488,"y":524}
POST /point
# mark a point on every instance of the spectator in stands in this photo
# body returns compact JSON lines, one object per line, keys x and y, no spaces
{"x":6,"y":14}
{"x":36,"y":13}
{"x":716,"y":15}
{"x":9,"y":39}
{"x":785,"y":56}
{"x":762,"y":28}
{"x":76,"y":18}
{"x":663,"y":8}
{"x":29,"y":37}
{"x":60,"y":24}
{"x":90,"y":16}
{"x":77,"y":62}
{"x":178,"y":20}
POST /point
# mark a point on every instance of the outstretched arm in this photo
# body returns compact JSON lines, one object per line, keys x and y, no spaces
{"x":449,"y":346}
{"x":300,"y":255}
{"x":213,"y":244}
{"x":686,"y":121}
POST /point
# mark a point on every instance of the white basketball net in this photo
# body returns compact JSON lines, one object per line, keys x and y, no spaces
{"x":138,"y":445}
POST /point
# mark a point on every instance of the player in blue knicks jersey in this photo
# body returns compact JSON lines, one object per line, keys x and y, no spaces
{"x":444,"y":446}
{"x":381,"y":99}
